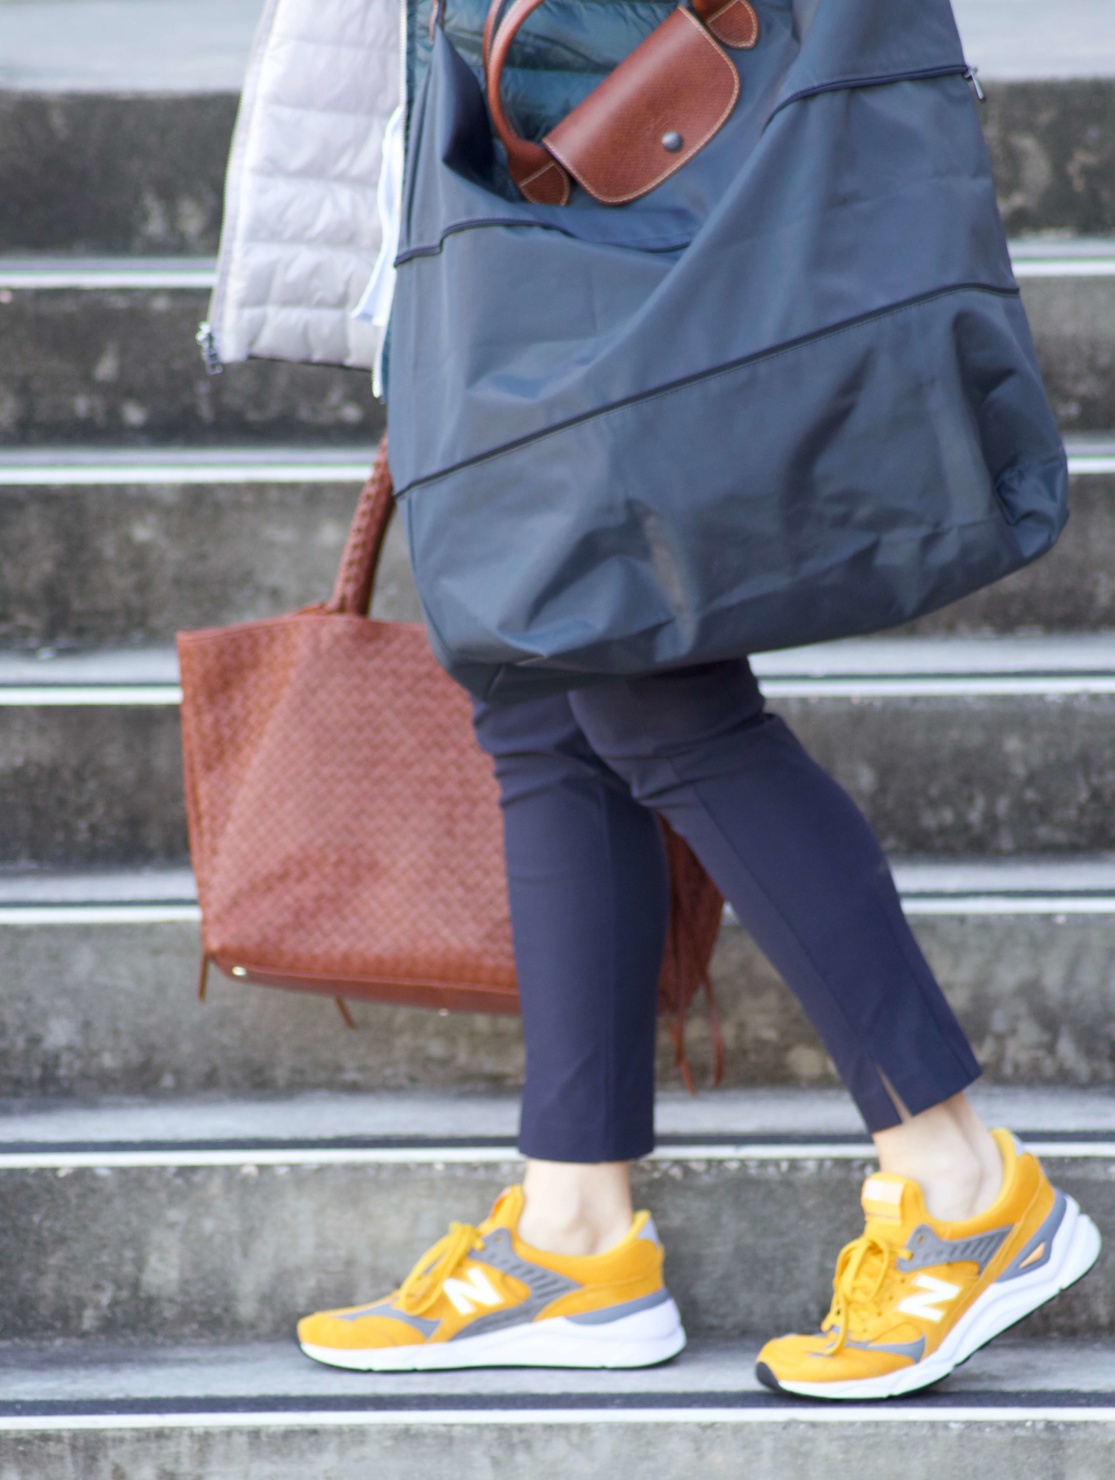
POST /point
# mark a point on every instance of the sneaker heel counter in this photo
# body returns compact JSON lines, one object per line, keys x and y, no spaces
{"x":649,"y":1232}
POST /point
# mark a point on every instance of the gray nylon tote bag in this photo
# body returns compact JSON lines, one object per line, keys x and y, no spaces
{"x":788,"y":395}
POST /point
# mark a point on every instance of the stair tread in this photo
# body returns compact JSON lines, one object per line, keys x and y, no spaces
{"x":1034,"y":256}
{"x":202,"y":45}
{"x":1021,"y":876}
{"x":119,"y":464}
{"x":178,"y":46}
{"x":75,"y":1378}
{"x":949,"y":657}
{"x":62,"y":465}
{"x":791,"y":1119}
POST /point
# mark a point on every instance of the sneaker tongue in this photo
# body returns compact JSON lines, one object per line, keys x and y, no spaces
{"x":891,"y":1204}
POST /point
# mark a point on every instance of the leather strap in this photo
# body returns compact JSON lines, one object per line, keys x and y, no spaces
{"x":540,"y":176}
{"x":537,"y":174}
{"x":356,"y":576}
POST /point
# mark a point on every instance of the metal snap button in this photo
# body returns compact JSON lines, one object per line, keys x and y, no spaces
{"x":672,"y":141}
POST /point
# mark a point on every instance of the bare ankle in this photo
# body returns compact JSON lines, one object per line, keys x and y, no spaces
{"x":951,"y":1154}
{"x":575,"y":1208}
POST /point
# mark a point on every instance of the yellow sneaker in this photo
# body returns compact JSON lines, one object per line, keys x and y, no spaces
{"x":482,"y":1298}
{"x":913,"y":1298}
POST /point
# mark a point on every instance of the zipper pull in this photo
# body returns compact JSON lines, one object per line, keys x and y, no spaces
{"x":207,"y":341}
{"x":972,"y":76}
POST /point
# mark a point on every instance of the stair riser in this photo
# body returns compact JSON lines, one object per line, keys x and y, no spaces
{"x":90,"y":173}
{"x":234,"y":1253}
{"x":120,"y":365}
{"x":102,"y":785}
{"x":127,"y":563}
{"x":121,"y":564}
{"x":564,"y":1451}
{"x":1053,"y":153}
{"x":110,"y":1009}
{"x":1071,"y":590}
{"x":1073,"y":323}
{"x":145,"y":174}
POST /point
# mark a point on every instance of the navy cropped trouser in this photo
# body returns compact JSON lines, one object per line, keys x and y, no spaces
{"x":583,"y":776}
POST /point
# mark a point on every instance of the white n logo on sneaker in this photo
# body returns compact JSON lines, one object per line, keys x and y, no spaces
{"x":937,"y":1292}
{"x":475,"y":1289}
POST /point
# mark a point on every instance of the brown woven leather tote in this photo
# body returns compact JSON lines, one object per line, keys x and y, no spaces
{"x":344,"y":824}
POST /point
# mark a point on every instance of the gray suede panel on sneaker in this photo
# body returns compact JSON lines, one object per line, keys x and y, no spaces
{"x":915,"y":1350}
{"x":384,"y":1309}
{"x":544,"y":1285}
{"x":928,"y":1248}
{"x":617,"y":1312}
{"x":1028,"y":1259}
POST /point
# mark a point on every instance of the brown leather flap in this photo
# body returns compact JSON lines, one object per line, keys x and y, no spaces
{"x":660,"y":106}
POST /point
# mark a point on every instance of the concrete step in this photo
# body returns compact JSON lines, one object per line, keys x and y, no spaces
{"x":198,"y":1413}
{"x":113,"y":172}
{"x":103,"y":349}
{"x":175,"y":46}
{"x":158,"y":1223}
{"x":122,"y":546}
{"x":1052,"y":153}
{"x":1070,"y":300}
{"x":129,"y":547}
{"x":100,"y":974}
{"x":954,"y":746}
{"x":1071,"y":589}
{"x":117,"y":167}
{"x":107,"y":352}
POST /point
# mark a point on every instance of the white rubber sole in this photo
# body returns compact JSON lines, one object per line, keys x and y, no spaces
{"x":639,"y":1340}
{"x":1076,"y":1248}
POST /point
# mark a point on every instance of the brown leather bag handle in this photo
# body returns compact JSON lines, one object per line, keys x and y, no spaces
{"x":540,"y":177}
{"x":534,"y":170}
{"x":353,"y":589}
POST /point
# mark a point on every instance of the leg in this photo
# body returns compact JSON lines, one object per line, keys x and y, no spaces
{"x":589,"y":897}
{"x":800,"y":866}
{"x":589,"y":907}
{"x":918,"y":1293}
{"x":949,"y":1151}
{"x":561,"y":1273}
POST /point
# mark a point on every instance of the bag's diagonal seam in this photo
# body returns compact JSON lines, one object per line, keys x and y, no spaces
{"x":880,"y":79}
{"x":482,"y":223}
{"x":705,"y":376}
{"x":843,"y":84}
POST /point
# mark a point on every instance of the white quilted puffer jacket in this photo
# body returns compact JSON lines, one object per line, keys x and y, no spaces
{"x":302,"y":229}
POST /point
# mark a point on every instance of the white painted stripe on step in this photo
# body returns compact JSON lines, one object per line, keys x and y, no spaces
{"x":1021,"y":1412}
{"x":117,"y":474}
{"x":99,"y":914}
{"x":1091,"y":464}
{"x":162,"y":912}
{"x":887,"y":686}
{"x":929,"y":686}
{"x":77,"y":696}
{"x":1064,"y":267}
{"x":1006,"y":904}
{"x":252,"y":1159}
{"x":91,"y":274}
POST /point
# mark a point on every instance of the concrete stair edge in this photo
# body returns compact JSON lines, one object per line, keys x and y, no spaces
{"x":252,"y":1377}
{"x":723,"y":1124}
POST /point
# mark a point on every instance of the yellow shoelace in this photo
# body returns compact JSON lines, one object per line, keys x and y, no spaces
{"x":862,"y":1269}
{"x":422,"y":1286}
